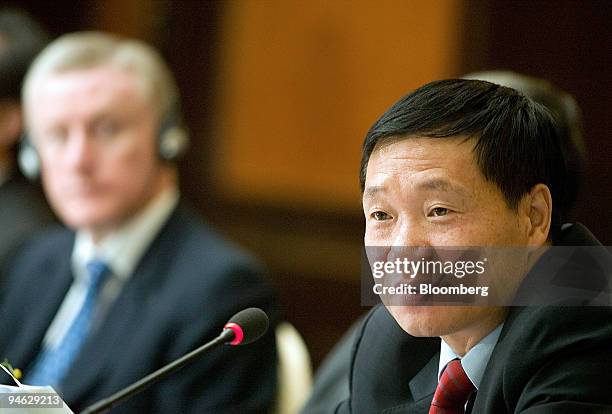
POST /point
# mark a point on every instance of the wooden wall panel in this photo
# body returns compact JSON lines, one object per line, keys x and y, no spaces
{"x":568,"y":43}
{"x":300,"y":83}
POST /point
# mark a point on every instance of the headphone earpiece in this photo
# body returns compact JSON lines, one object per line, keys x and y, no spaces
{"x":27,"y":158}
{"x":172,"y":139}
{"x":172,"y":143}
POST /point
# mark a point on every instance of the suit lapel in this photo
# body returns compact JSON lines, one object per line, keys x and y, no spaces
{"x":95,"y":361}
{"x":491,"y":383}
{"x":38,"y":317}
{"x":422,"y":388}
{"x":122,"y":321}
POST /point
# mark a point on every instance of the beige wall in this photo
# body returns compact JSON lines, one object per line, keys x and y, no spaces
{"x":302,"y":81}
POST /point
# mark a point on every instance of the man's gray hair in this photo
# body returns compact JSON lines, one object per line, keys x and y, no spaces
{"x":85,"y":50}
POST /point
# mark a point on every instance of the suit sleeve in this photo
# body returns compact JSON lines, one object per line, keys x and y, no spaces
{"x":572,"y":374}
{"x":239,"y":379}
{"x":331,"y":384}
{"x":357,"y":332}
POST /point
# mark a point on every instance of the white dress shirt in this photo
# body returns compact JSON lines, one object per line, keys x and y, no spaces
{"x":121,"y":250}
{"x":476,"y":359}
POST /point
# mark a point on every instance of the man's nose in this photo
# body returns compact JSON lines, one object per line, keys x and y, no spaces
{"x":410,"y":242}
{"x":79,"y":150}
{"x":409,"y":233}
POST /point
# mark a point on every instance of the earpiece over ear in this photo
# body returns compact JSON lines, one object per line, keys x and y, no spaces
{"x":27,"y":158}
{"x":172,"y":138}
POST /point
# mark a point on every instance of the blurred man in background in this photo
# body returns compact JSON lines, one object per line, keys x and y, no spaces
{"x":22,"y":206}
{"x":138,"y":280}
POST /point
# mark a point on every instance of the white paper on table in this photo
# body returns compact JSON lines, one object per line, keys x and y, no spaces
{"x":27,"y":391}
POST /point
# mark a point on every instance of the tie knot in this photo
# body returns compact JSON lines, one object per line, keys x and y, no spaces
{"x":97,"y":271}
{"x":453,"y":390}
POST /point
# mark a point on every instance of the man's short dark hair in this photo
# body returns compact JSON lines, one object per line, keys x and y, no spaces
{"x":568,"y":116}
{"x":21,"y":38}
{"x":516,"y":147}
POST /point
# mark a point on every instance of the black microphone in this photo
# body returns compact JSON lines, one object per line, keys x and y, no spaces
{"x":243,"y":328}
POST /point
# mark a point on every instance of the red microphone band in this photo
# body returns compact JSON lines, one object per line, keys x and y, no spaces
{"x":238,"y":334}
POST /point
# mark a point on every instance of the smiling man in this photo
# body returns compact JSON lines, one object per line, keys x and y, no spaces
{"x":461,"y":163}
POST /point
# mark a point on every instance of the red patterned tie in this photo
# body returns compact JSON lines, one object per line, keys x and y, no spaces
{"x":453,"y":390}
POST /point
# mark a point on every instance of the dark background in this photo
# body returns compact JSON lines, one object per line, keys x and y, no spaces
{"x":313,"y":253}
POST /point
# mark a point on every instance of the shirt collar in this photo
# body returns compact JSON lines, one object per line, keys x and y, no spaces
{"x":122,"y":249}
{"x":476,"y":359}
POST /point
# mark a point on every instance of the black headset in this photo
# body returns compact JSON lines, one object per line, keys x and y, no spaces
{"x":172,"y":143}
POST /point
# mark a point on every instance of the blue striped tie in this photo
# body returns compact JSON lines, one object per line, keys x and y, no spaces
{"x":52,"y":364}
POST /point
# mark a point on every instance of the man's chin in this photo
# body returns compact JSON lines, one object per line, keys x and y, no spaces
{"x":93,"y":221}
{"x":426,"y":321}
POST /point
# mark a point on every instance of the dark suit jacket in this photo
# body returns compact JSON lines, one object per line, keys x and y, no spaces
{"x":549,"y":359}
{"x":331,"y":382}
{"x":184,"y":289}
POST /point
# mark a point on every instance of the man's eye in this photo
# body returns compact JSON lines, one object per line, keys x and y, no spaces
{"x":106,"y":128}
{"x":380,"y":216}
{"x":56,"y":136}
{"x":438,"y":212}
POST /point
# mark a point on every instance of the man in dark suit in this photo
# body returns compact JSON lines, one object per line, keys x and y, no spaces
{"x":331,"y":384}
{"x":138,"y":280}
{"x":23,"y":209}
{"x":470,"y":163}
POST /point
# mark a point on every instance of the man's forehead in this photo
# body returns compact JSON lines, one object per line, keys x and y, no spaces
{"x":417,"y":146}
{"x":423,"y":183}
{"x":413,"y":154}
{"x":86,"y":80}
{"x":85,"y":92}
{"x":423,"y":163}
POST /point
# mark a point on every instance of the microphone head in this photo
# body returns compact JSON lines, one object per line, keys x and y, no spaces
{"x":248,"y":326}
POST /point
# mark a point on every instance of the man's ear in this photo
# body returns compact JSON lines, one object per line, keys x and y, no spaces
{"x":538,"y":207}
